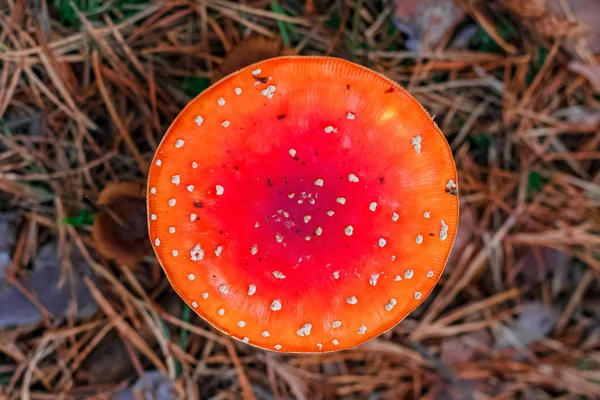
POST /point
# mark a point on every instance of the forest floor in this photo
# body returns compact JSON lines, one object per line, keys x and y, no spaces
{"x":88,"y":88}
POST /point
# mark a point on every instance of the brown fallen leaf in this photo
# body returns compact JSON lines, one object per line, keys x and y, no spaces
{"x":418,"y":19}
{"x":590,"y":71}
{"x":587,"y":13}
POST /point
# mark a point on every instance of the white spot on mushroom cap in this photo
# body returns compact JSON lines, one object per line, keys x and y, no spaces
{"x":268,"y":92}
{"x":241,"y":323}
{"x":276,"y":305}
{"x":174,"y":253}
{"x":381,"y":242}
{"x":278,"y":237}
{"x":307,"y":238}
{"x":373,"y":279}
{"x":350,"y":116}
{"x":320,"y":345}
{"x":220,"y":190}
{"x":221,"y":101}
{"x":427,"y":214}
{"x":451,"y":184}
{"x":278,"y":275}
{"x":419,"y":239}
{"x":157,"y":242}
{"x":330,"y":213}
{"x":397,"y":278}
{"x":336,"y":275}
{"x":153,"y":190}
{"x":444,"y":231}
{"x":336,"y":324}
{"x":416,"y":143}
{"x":225,"y":124}
{"x":172,"y":202}
{"x":292,"y":152}
{"x":335,"y":342}
{"x":353,"y":178}
{"x":198,"y":120}
{"x":395,"y":216}
{"x":254,"y":250}
{"x":251,"y":290}
{"x":409,"y":273}
{"x":391,"y":304}
{"x":307,"y":218}
{"x":265,"y":334}
{"x":158,"y":163}
{"x":418,"y":295}
{"x":256,"y":72}
{"x":319,"y":182}
{"x":196,"y":254}
{"x":176,"y":179}
{"x":194,"y":304}
{"x":221,"y":311}
{"x":277,"y":347}
{"x":205,"y":295}
{"x":237,"y":90}
{"x":362,"y":330}
{"x":352,"y":300}
{"x":318,"y":231}
{"x":218,"y":251}
{"x":305,"y":330}
{"x":179,"y":143}
{"x":341,"y":200}
{"x":191,"y":277}
{"x":349,"y":230}
{"x":245,"y":339}
{"x":193,"y":217}
{"x":429,"y":274}
{"x":224,"y":289}
{"x":329,"y":129}
{"x":153,"y":217}
{"x":194,"y":164}
{"x":393,"y":258}
{"x":373,"y":206}
{"x":291,"y":195}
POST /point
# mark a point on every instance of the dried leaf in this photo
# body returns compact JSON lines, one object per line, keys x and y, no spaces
{"x":462,"y":349}
{"x":152,"y":385}
{"x":534,"y":323}
{"x":586,"y":13}
{"x":418,"y":19}
{"x":464,"y":233}
{"x":591,"y":73}
{"x":44,"y":283}
{"x":8,"y":233}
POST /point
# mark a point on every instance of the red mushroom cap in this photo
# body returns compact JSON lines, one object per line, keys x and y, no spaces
{"x":303,"y":204}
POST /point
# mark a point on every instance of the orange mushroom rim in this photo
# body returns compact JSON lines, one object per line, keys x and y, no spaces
{"x":303,"y":204}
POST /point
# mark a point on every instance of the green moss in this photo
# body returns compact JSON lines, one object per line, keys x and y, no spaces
{"x":84,"y":218}
{"x":195,"y":85}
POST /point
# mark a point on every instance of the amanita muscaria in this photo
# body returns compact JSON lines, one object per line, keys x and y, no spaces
{"x":303,"y":204}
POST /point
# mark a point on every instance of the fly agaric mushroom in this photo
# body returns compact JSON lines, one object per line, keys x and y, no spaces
{"x":303,"y":204}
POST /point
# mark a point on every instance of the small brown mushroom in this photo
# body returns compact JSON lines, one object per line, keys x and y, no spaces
{"x":250,"y":51}
{"x":120,"y":229}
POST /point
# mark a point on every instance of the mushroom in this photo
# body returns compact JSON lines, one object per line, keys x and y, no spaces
{"x":120,"y":230}
{"x":227,"y":205}
{"x":250,"y":51}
